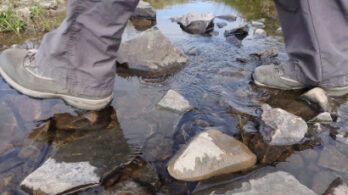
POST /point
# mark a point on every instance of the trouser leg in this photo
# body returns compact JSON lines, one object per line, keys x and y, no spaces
{"x":316,"y":40}
{"x":81,"y":53}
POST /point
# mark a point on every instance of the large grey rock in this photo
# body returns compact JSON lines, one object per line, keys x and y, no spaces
{"x":318,"y":99}
{"x":209,"y":154}
{"x":337,"y":187}
{"x":277,"y":183}
{"x":58,"y":177}
{"x":150,"y":52}
{"x":175,"y":101}
{"x":280,"y":127}
{"x":196,"y":23}
{"x":332,"y":159}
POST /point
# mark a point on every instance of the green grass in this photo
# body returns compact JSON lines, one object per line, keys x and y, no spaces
{"x":10,"y":22}
{"x":39,"y":21}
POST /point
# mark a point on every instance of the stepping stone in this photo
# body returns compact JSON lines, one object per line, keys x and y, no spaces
{"x":318,"y":99}
{"x":209,"y":154}
{"x":280,"y":127}
{"x":196,"y":23}
{"x":175,"y":102}
{"x":81,"y":164}
{"x":337,"y":187}
{"x":150,"y":52}
{"x":57,"y":177}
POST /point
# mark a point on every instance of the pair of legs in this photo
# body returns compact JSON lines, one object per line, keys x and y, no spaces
{"x":76,"y":62}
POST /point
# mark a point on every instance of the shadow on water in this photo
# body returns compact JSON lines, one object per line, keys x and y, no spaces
{"x":143,"y":137}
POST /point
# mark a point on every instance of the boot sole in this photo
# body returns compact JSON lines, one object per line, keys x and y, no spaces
{"x":337,"y":92}
{"x":81,"y":103}
{"x":263,"y":85}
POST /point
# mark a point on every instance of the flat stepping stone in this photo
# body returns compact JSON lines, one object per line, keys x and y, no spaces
{"x":209,"y":154}
{"x":81,"y":164}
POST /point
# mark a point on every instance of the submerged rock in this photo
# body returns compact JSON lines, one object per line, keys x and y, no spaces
{"x":318,"y":99}
{"x":175,"y":101}
{"x":209,"y":154}
{"x":196,"y":23}
{"x":57,"y":177}
{"x":280,"y":127}
{"x":150,"y":52}
{"x":81,"y":164}
{"x":332,"y":159}
{"x":337,"y":187}
{"x":240,"y":32}
{"x":144,"y":16}
{"x":273,"y":183}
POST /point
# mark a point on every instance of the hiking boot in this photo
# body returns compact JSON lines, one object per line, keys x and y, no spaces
{"x":273,"y":77}
{"x":337,"y":91}
{"x":18,"y":69}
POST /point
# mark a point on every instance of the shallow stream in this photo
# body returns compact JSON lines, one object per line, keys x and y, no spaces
{"x":216,"y":81}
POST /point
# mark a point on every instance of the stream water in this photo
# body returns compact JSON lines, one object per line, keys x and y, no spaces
{"x":216,"y":83}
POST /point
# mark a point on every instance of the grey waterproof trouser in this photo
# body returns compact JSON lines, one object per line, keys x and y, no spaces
{"x":81,"y":53}
{"x":316,"y":37}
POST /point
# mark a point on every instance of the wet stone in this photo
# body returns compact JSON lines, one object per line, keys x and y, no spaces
{"x":264,"y":181}
{"x":321,"y":181}
{"x":175,"y":102}
{"x":318,"y":99}
{"x":150,"y":52}
{"x":273,"y":183}
{"x":260,"y":33}
{"x":82,"y":163}
{"x":332,"y":159}
{"x":144,"y":10}
{"x":268,"y":53}
{"x":57,"y":177}
{"x":239,"y":32}
{"x":196,"y":23}
{"x":229,"y":18}
{"x":341,"y":136}
{"x":323,"y":118}
{"x":280,"y":127}
{"x":144,"y":16}
{"x":250,"y":127}
{"x":128,"y":187}
{"x":337,"y":187}
{"x":209,"y":154}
